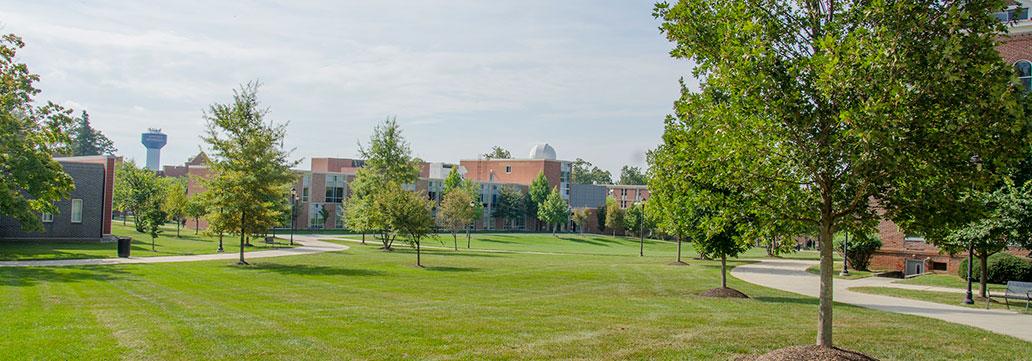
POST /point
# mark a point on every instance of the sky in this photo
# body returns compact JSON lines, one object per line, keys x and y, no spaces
{"x":592,"y":78}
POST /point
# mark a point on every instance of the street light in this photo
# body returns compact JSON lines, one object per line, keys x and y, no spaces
{"x":845,"y":257}
{"x":293,"y":205}
{"x":222,"y":213}
{"x":969,"y":299}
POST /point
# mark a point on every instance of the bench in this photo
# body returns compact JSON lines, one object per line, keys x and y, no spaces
{"x":1017,"y":291}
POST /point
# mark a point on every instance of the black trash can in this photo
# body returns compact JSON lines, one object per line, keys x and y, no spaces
{"x":124,"y":243}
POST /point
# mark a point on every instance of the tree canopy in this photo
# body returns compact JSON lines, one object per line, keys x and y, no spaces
{"x":497,"y":153}
{"x":251,"y":174}
{"x":31,"y":181}
{"x":811,"y":110}
{"x":632,"y":176}
{"x":554,"y":211}
{"x":583,"y":172}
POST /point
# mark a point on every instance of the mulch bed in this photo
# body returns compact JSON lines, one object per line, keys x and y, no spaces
{"x":808,"y":353}
{"x":724,"y":293}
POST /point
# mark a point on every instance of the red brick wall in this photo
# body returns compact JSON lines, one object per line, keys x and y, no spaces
{"x":523,"y":171}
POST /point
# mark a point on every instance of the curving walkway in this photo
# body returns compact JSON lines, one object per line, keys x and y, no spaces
{"x":791,"y":276}
{"x":309,"y":245}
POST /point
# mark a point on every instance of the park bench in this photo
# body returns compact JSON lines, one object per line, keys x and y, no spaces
{"x":1017,"y":291}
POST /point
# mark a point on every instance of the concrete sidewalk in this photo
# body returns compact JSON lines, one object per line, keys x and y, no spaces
{"x":309,"y":245}
{"x":791,"y":276}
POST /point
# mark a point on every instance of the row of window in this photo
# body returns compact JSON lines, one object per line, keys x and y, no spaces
{"x":1024,"y":70}
{"x":76,"y":213}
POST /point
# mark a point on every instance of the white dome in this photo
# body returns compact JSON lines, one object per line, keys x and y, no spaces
{"x":542,"y":151}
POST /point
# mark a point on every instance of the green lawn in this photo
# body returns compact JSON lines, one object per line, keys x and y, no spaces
{"x":947,"y":280}
{"x":853,"y":274}
{"x":367,"y":304}
{"x":167,"y":244}
{"x":949,"y":298}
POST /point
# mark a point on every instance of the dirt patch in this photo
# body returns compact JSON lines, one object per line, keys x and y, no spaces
{"x":806,"y":353}
{"x":724,"y":293}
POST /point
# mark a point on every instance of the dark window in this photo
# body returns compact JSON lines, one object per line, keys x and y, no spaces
{"x":938,"y":266}
{"x":1023,"y":68}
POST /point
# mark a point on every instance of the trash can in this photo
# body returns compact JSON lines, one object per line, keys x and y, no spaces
{"x":124,"y":243}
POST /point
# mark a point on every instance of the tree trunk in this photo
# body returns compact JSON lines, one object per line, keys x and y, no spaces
{"x":455,"y":239}
{"x":178,"y":223}
{"x":196,"y":226}
{"x":468,"y":238}
{"x":824,"y":310}
{"x":723,"y":271}
{"x":363,"y":237}
{"x":419,"y":261}
{"x":124,"y":217}
{"x":679,"y":249}
{"x":243,"y":218}
{"x":152,"y":247}
{"x":983,"y":280}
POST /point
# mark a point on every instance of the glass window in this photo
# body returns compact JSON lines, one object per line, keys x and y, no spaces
{"x":508,"y":169}
{"x":334,"y":188}
{"x":339,"y":217}
{"x":48,"y":218}
{"x":1023,"y":68}
{"x":316,"y":218}
{"x":76,"y":211}
{"x":306,"y":183}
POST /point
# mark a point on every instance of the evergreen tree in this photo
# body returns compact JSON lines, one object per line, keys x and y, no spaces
{"x":89,"y":141}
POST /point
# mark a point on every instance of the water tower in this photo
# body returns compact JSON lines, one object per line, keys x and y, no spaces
{"x":154,"y":140}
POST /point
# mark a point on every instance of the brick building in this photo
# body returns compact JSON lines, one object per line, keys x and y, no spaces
{"x":910,"y":253}
{"x":86,"y":214}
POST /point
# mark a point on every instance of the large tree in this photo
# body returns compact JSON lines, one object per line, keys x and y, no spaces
{"x":554,"y":211}
{"x":250,"y":169}
{"x":815,"y":109}
{"x":87,"y":140}
{"x":583,"y":172}
{"x":135,"y":189}
{"x":614,"y":215}
{"x":31,"y":181}
{"x":388,"y":160}
{"x":457,"y":211}
{"x":497,"y":153}
{"x":632,"y":176}
{"x":669,"y":197}
{"x":536,"y":194}
{"x":410,"y":215}
{"x":510,"y":205}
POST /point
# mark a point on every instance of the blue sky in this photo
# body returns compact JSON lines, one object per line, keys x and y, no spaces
{"x":592,"y":78}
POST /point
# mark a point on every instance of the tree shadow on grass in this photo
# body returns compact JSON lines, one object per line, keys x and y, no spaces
{"x":592,"y":241}
{"x":301,"y":269}
{"x":492,"y":240}
{"x":462,"y":252}
{"x":451,"y":269}
{"x":31,"y":276}
{"x":795,"y":300}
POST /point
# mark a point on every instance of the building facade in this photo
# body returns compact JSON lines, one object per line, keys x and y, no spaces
{"x":86,"y":214}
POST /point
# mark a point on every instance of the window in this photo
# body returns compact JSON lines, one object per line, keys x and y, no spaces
{"x":339,"y":220}
{"x":1013,"y":13}
{"x":306,"y":183}
{"x":508,"y":169}
{"x":334,"y":188}
{"x":48,"y":218}
{"x":938,"y":266}
{"x":316,"y":218}
{"x":913,"y":238}
{"x":76,"y":211}
{"x":1023,"y":68}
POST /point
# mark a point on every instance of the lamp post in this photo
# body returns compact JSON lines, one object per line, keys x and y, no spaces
{"x":293,"y":205}
{"x":221,"y":214}
{"x":641,"y":228}
{"x":845,"y":270}
{"x":969,"y":298}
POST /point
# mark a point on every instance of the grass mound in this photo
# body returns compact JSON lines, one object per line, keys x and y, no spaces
{"x":812,"y":352}
{"x":724,"y":293}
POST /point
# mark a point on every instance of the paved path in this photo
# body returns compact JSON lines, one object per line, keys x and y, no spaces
{"x":309,"y":245}
{"x":791,"y":276}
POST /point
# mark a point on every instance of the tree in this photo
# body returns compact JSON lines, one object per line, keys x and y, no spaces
{"x":152,"y":216}
{"x":457,"y":211}
{"x":250,"y":170}
{"x":581,"y":217}
{"x":1005,"y":218}
{"x":135,"y":189}
{"x":536,"y":194}
{"x":498,"y":153}
{"x":614,"y":215}
{"x":814,"y":109}
{"x":31,"y":181}
{"x":510,"y":205}
{"x":175,"y":200}
{"x":583,"y":172}
{"x":634,"y":219}
{"x":410,"y":214}
{"x":860,"y":247}
{"x":452,"y":181}
{"x":554,"y":211}
{"x":632,"y":176}
{"x":669,"y":196}
{"x":195,"y":208}
{"x":89,"y":141}
{"x":388,"y":160}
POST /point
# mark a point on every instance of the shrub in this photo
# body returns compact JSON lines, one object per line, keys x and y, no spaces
{"x":859,"y":249}
{"x":1003,"y":267}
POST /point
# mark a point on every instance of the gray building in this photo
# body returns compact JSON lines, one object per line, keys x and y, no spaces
{"x":80,"y":217}
{"x":587,"y":196}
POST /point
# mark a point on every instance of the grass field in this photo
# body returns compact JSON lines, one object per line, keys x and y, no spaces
{"x":949,"y":298}
{"x":367,"y":304}
{"x":853,"y":274}
{"x":947,"y":280}
{"x":167,"y":244}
